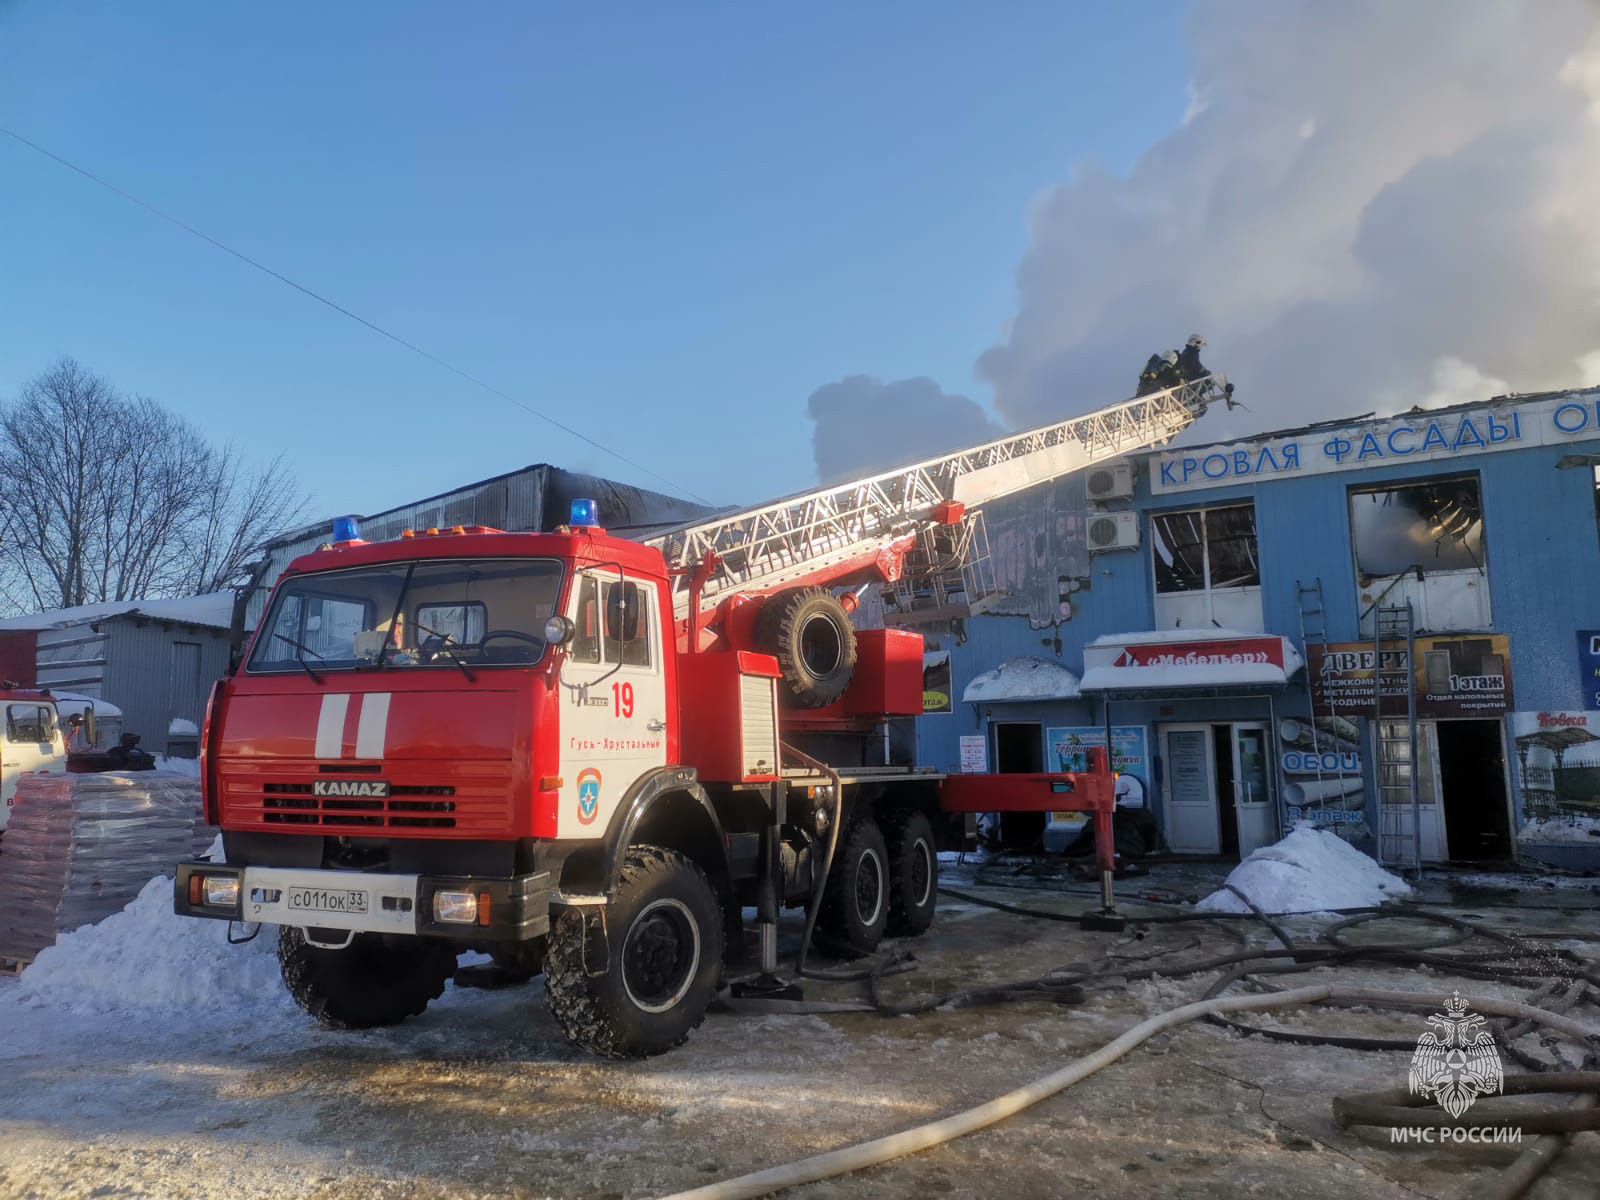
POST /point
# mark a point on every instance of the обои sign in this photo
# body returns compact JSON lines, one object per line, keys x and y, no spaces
{"x":1415,"y":437}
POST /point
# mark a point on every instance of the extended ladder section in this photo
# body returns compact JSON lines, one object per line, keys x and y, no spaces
{"x":847,"y":525}
{"x":1395,"y":738}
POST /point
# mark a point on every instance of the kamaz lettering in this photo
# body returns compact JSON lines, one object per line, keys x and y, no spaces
{"x":363,"y":788}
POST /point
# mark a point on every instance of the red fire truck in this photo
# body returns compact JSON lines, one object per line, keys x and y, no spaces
{"x":588,"y":754}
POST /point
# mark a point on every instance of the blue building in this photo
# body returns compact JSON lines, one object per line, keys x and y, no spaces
{"x":1388,"y":626}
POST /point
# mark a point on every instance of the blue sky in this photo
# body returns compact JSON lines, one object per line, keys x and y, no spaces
{"x":666,"y":224}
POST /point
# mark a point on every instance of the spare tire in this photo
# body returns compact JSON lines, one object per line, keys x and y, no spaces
{"x":809,"y":633}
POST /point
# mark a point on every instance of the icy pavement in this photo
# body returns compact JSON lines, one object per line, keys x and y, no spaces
{"x":124,"y":1083}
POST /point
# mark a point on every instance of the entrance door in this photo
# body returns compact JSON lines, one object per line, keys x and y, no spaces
{"x":1472,"y":784}
{"x":1018,"y":750}
{"x":1252,"y":788}
{"x":1189,"y":786}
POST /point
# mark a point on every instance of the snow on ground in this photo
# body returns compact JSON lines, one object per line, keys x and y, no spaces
{"x":1561,"y":831}
{"x":482,"y":1096}
{"x":147,"y":957}
{"x":1311,"y":870}
{"x":1507,"y":881}
{"x":179,"y":766}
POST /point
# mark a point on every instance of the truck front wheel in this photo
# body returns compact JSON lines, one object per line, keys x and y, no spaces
{"x":373,"y":981}
{"x":642,"y":986}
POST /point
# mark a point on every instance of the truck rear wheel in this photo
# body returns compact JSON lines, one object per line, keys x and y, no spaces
{"x":809,"y":633}
{"x":913,"y":872}
{"x":855,"y":907}
{"x":373,"y":981}
{"x":662,"y":957}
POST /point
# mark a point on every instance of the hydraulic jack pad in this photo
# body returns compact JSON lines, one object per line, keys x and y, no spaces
{"x":1107,"y":920}
{"x":766,"y":987}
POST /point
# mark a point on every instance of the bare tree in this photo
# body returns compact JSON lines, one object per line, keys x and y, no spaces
{"x":106,"y":497}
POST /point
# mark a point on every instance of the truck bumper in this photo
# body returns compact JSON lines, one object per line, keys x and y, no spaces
{"x":505,"y":909}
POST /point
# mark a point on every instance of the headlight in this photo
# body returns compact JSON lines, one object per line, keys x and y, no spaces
{"x":222,"y":891}
{"x":558,"y":630}
{"x":456,"y":908}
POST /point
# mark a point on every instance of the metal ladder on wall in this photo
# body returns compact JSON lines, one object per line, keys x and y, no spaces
{"x":1393,"y":678}
{"x":1313,"y":628}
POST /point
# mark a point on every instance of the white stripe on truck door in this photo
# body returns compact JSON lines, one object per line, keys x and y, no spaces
{"x":330,"y":725}
{"x":372,"y":730}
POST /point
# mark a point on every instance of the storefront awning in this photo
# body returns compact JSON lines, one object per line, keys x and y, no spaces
{"x":1020,"y":680}
{"x":1174,"y":659}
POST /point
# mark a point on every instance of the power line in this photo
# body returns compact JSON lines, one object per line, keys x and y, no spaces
{"x":343,"y":311}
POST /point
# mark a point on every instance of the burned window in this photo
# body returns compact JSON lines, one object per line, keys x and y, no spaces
{"x":1231,"y":547}
{"x":1436,"y":525}
{"x":1206,"y":548}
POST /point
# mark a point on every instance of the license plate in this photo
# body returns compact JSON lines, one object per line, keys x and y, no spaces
{"x":323,"y":900}
{"x":1070,"y":818}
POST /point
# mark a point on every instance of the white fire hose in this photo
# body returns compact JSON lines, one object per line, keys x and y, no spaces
{"x":923,"y":1137}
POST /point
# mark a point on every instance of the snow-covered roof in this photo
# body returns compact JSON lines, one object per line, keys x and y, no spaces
{"x":74,"y":702}
{"x":214,"y":609}
{"x":1187,"y":658}
{"x":1018,"y":680}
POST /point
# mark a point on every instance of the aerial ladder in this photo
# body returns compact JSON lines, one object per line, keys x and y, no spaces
{"x":927,"y":514}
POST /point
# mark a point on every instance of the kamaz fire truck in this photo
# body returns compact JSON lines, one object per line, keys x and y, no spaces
{"x":589,"y":755}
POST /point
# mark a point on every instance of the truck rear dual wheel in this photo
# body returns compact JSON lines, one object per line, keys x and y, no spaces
{"x":375,"y":980}
{"x":855,"y":906}
{"x":662,"y":959}
{"x":913,"y":872}
{"x":808,"y":631}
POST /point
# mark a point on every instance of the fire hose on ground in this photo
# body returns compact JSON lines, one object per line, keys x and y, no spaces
{"x":1569,"y":972}
{"x":885,"y":1149}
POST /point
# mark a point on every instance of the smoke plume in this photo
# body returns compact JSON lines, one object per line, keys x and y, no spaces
{"x":1368,"y":206}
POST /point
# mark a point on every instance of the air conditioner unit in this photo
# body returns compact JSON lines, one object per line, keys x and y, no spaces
{"x":1111,"y":481}
{"x":1113,"y":531}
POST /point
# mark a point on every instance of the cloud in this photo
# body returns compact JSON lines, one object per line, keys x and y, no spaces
{"x":864,"y":425}
{"x":1366,"y":206}
{"x":1376,"y":206}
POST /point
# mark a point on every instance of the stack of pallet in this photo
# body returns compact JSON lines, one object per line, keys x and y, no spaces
{"x":78,"y":848}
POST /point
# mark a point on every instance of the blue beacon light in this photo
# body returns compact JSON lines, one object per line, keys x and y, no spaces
{"x":345,"y":529}
{"x":584,"y":513}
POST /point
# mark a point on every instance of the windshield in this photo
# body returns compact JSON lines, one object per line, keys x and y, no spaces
{"x":448,"y":613}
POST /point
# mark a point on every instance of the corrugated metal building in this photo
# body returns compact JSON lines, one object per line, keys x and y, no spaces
{"x":534,"y":499}
{"x":153,"y":659}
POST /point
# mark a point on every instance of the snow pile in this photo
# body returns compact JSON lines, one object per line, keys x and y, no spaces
{"x":180,"y":726}
{"x":1309,"y":871}
{"x":179,"y":766}
{"x":147,"y":957}
{"x":1561,"y":831}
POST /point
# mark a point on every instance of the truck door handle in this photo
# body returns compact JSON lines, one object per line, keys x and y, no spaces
{"x":655,"y":726}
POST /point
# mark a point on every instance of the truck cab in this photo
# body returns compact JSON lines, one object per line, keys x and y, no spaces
{"x":31,"y":743}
